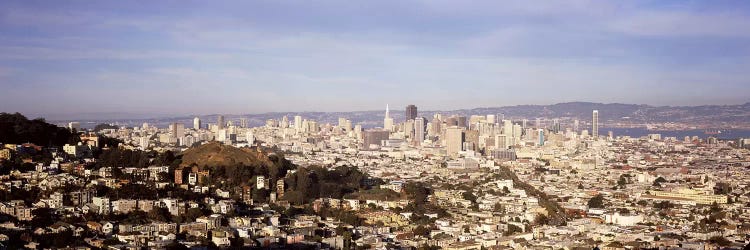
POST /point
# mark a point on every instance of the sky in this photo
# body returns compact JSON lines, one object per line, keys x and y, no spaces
{"x":208,"y":57}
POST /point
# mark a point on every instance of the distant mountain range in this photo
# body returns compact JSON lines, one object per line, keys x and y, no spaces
{"x":705,"y":115}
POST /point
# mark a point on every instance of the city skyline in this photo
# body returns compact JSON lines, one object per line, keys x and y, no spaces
{"x":256,"y":57}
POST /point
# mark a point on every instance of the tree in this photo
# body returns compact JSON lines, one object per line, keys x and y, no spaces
{"x":469,"y":196}
{"x":719,"y":240}
{"x":160,"y":214}
{"x":596,"y":201}
{"x":663,"y":205}
{"x":513,"y":229}
{"x":541,"y":219}
{"x":499,"y":208}
{"x":658,"y":181}
{"x":622,"y":181}
{"x":421,"y":231}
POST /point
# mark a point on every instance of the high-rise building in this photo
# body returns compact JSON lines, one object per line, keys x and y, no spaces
{"x":411,"y":112}
{"x":177,"y":129}
{"x":501,"y":142}
{"x":298,"y":123}
{"x":538,"y":123}
{"x":284,"y":122}
{"x":220,"y":122}
{"x":541,"y":137}
{"x":461,"y":120}
{"x":575,"y":125}
{"x":508,"y":132}
{"x":387,"y":121}
{"x":197,"y":123}
{"x":556,"y":128}
{"x":491,"y":119}
{"x":419,"y":130}
{"x":243,"y":122}
{"x":454,"y":140}
{"x":595,"y":124}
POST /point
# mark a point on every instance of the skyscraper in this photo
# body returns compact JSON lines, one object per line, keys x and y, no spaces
{"x":556,"y":128}
{"x":454,"y":140}
{"x":411,"y":112}
{"x":220,"y":122}
{"x":177,"y":129}
{"x":243,"y":122}
{"x":491,"y":119}
{"x":284,"y":122}
{"x":595,"y":125}
{"x":508,"y":132}
{"x":197,"y":123}
{"x":419,"y":127}
{"x":541,"y":137}
{"x":387,"y":121}
{"x":298,"y":123}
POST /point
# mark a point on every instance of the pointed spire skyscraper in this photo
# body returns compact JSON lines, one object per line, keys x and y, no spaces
{"x":387,"y":121}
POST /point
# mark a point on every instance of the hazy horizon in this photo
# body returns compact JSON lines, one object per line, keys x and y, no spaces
{"x":237,"y":57}
{"x":395,"y":110}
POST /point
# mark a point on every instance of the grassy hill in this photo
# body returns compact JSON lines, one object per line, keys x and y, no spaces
{"x":215,"y":154}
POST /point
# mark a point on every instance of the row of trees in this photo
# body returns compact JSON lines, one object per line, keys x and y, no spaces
{"x":313,"y":182}
{"x":17,"y":129}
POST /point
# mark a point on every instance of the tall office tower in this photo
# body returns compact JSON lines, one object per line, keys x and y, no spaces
{"x":491,"y":119}
{"x":197,"y":123}
{"x":541,"y":137}
{"x":538,"y":123}
{"x":411,"y":112}
{"x":451,"y":121}
{"x":220,"y":122}
{"x":435,"y":126}
{"x":500,"y":142}
{"x":419,"y":130}
{"x":595,"y":125}
{"x":462,"y":122}
{"x":387,"y":121}
{"x":408,"y":128}
{"x":342,"y":123}
{"x":243,"y":122}
{"x":454,"y":140}
{"x":523,"y":123}
{"x":556,"y":126}
{"x":298,"y":123}
{"x":348,"y":125}
{"x":358,"y":131}
{"x":575,"y":126}
{"x":517,"y":132}
{"x":177,"y":129}
{"x":508,"y":132}
{"x":284,"y":122}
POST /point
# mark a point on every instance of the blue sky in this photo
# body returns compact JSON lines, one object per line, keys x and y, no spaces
{"x":202,"y":57}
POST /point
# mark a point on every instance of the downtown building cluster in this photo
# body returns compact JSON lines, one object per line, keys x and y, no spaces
{"x":500,"y":183}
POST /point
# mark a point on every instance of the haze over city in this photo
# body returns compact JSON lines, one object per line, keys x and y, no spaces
{"x":193,"y":57}
{"x":382,"y":124}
